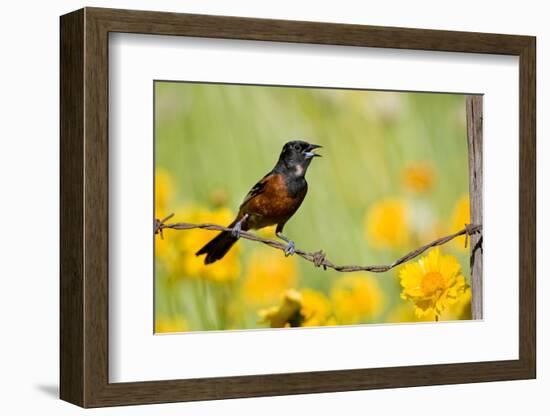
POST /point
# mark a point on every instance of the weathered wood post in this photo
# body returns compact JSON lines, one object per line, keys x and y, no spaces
{"x":474,"y":118}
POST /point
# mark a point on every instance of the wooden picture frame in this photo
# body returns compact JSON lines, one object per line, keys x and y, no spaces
{"x":84,"y":207}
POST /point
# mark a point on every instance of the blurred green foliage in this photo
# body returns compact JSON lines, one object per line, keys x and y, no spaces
{"x":215,"y":141}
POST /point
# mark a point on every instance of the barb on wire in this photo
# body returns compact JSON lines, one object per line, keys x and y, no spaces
{"x":319,"y":258}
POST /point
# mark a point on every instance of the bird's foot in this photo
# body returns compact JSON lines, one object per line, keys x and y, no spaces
{"x":236,"y":230}
{"x":290,"y":248}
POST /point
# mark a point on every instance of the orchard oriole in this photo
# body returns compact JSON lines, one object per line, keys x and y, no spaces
{"x":272,"y":201}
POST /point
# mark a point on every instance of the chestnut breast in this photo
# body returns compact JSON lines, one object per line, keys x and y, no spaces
{"x":274,"y":204}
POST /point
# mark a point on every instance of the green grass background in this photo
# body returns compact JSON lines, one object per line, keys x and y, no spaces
{"x":211,"y":137}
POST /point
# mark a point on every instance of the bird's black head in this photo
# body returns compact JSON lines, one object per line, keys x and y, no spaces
{"x":296,"y":157}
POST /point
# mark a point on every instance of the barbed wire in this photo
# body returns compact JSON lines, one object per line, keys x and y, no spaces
{"x":318,"y":258}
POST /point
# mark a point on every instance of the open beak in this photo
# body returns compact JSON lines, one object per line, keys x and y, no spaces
{"x":309,"y":152}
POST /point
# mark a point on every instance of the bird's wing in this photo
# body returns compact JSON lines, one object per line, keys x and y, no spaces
{"x":256,"y":189}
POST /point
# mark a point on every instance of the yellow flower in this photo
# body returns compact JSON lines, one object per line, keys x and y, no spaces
{"x":387,"y":224}
{"x":164,"y":324}
{"x":460,"y":217}
{"x":315,"y":309}
{"x":167,"y":249}
{"x":162,"y":245}
{"x":406,"y":312}
{"x":177,"y":250}
{"x":269,"y":274}
{"x":418,"y":177}
{"x":305,"y":308}
{"x":460,"y":310}
{"x":188,"y":213}
{"x":163,"y":192}
{"x":356,"y":298}
{"x":226,"y":269}
{"x":267,"y":232}
{"x":432,"y":283}
{"x":287,"y":314}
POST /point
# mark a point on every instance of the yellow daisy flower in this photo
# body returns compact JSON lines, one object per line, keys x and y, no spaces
{"x":432,"y":283}
{"x":386,"y":224}
{"x":461,"y":309}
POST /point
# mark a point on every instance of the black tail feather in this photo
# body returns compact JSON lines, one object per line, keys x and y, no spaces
{"x":218,"y":247}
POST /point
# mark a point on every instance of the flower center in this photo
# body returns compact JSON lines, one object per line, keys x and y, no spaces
{"x":432,"y":282}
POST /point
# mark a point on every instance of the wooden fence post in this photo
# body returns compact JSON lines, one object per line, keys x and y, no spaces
{"x":474,"y":117}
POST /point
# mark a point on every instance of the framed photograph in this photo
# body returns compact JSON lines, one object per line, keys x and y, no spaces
{"x":254,"y":207}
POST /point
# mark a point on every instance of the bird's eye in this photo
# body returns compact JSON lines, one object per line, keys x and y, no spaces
{"x":296,"y":147}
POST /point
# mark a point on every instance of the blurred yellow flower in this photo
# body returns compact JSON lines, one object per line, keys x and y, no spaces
{"x":164,"y":189}
{"x":269,"y":273}
{"x":164,"y":324}
{"x":460,"y":217}
{"x":167,"y":249}
{"x":188,"y":213}
{"x":405,"y":311}
{"x":165,"y":245}
{"x":387,"y":224}
{"x":226,"y":269}
{"x":356,"y":298}
{"x":305,"y":308}
{"x":267,"y":232}
{"x":432,"y":283}
{"x":418,"y":177}
{"x":316,"y":308}
{"x":177,"y":250}
{"x":287,"y":314}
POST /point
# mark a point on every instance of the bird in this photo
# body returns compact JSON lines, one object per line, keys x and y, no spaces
{"x":271,"y":201}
